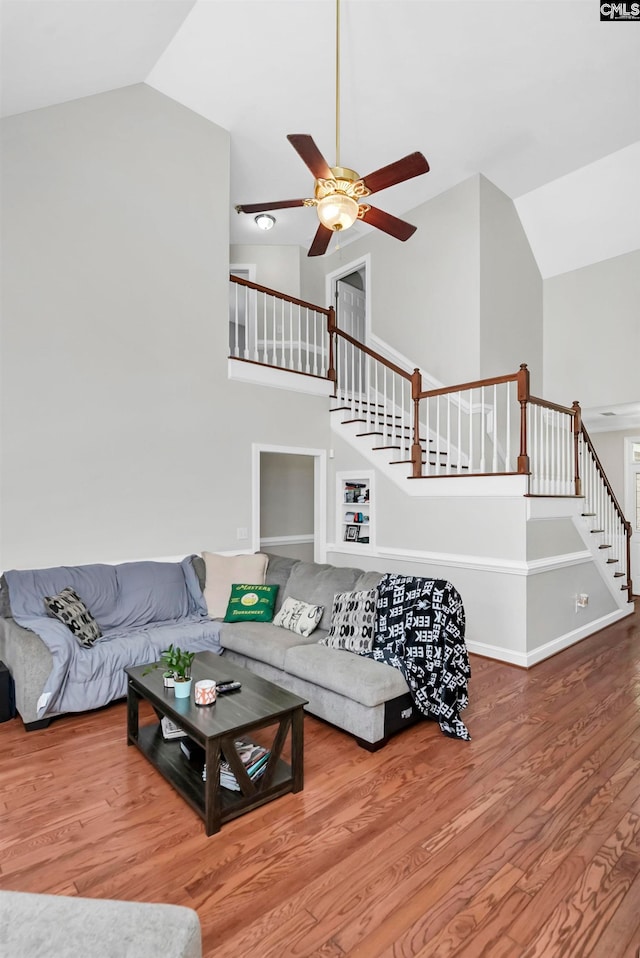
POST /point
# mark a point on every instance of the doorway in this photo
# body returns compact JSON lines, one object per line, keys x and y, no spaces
{"x":289,"y":501}
{"x":632,"y":503}
{"x":348,"y":291}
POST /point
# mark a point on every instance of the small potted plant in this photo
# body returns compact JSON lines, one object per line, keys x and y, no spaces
{"x":176,"y":664}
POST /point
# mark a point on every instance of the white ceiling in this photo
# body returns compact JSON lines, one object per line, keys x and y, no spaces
{"x":537,"y":95}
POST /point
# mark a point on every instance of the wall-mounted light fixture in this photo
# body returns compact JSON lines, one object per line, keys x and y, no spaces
{"x":264,"y":221}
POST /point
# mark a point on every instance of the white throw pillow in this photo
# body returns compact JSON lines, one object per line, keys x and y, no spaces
{"x":298,"y":616}
{"x":223,"y":571}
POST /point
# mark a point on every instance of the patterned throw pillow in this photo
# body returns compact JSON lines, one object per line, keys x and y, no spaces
{"x":72,"y":612}
{"x":298,"y":616}
{"x":353,"y":622}
{"x":251,"y":603}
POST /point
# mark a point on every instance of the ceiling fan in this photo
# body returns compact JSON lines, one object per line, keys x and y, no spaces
{"x":338,"y":190}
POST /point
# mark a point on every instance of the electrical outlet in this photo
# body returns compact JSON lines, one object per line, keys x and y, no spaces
{"x":582,"y":601}
{"x":242,"y":533}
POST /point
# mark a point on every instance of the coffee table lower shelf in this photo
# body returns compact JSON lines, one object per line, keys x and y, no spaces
{"x":167,"y":758}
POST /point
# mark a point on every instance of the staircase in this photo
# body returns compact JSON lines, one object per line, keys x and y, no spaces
{"x":485,"y":431}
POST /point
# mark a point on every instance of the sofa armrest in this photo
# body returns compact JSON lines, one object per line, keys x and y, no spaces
{"x":29,"y":661}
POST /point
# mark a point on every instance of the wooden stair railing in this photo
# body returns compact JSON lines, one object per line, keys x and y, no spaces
{"x":489,"y":427}
{"x":272,"y":329}
{"x":601,"y":504}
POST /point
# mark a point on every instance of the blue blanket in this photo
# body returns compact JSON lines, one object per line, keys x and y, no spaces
{"x":141,"y":608}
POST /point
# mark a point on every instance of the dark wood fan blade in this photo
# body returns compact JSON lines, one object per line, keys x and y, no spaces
{"x":320,"y":241}
{"x":309,"y":153}
{"x":399,"y":229}
{"x":404,"y":169}
{"x":263,"y":207}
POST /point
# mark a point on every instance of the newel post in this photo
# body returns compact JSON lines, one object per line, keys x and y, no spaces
{"x":577,"y":429}
{"x":331,"y":330}
{"x":523,"y":398}
{"x":416,"y":448}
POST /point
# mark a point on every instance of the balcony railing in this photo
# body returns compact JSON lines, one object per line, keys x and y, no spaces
{"x":490,"y":427}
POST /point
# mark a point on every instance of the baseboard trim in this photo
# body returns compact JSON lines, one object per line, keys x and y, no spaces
{"x":475,"y":563}
{"x":304,"y":539}
{"x":526,"y":660}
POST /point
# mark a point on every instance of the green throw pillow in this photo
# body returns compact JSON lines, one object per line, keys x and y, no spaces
{"x":251,"y":603}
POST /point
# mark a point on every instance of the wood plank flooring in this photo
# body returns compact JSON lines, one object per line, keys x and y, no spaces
{"x":523,"y":843}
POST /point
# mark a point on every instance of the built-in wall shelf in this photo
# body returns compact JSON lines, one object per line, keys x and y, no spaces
{"x":355,"y":505}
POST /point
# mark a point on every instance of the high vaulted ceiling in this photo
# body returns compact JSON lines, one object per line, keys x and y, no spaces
{"x":538,"y":95}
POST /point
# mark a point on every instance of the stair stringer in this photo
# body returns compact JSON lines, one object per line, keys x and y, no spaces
{"x":519,"y":610}
{"x":437,"y":486}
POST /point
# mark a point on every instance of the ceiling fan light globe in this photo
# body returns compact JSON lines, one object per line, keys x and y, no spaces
{"x":337,"y":211}
{"x":264,"y":221}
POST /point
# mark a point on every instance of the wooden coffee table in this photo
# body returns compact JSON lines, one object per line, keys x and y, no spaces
{"x":258,"y":705}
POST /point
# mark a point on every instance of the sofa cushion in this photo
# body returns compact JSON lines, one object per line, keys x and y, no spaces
{"x":97,"y":584}
{"x":298,"y":616}
{"x":68,"y":607}
{"x":262,"y":641}
{"x":278,"y":572}
{"x":353,"y":621}
{"x":251,"y":603}
{"x":151,"y":592}
{"x":317,"y":584}
{"x":354,"y":676}
{"x":367,"y":580}
{"x":223,"y":571}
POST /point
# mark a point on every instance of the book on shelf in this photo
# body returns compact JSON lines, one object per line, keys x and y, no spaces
{"x":254,"y":758}
{"x":170,"y":730}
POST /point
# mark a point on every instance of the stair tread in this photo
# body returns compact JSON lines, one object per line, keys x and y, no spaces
{"x":612,"y":561}
{"x":616,"y":575}
{"x":594,"y":531}
{"x":587,"y":513}
{"x":605,"y":546}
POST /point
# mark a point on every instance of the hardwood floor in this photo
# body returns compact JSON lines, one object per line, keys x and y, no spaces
{"x":523,"y":843}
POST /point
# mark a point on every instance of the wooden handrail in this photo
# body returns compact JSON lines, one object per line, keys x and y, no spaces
{"x":587,"y":439}
{"x":569,"y":410}
{"x":373,"y":354}
{"x":272,"y":292}
{"x":621,"y":516}
{"x":463,"y":387}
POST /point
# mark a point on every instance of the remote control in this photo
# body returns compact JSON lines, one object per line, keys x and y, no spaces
{"x":223,"y":687}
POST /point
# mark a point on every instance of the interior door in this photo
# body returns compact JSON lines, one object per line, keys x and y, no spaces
{"x":351,"y":318}
{"x":350,"y":310}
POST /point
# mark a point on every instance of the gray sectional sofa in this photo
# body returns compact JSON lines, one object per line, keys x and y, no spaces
{"x":59,"y":926}
{"x":140,"y":608}
{"x":368,"y":699}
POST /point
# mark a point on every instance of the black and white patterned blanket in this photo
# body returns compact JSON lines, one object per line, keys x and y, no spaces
{"x":420,"y":629}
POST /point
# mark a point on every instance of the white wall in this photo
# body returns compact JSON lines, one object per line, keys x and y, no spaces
{"x":592,"y":333}
{"x":611,"y":453}
{"x":463,"y":297}
{"x":425,"y":293}
{"x":121,"y":435}
{"x":277,"y":267}
{"x":510,"y":291}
